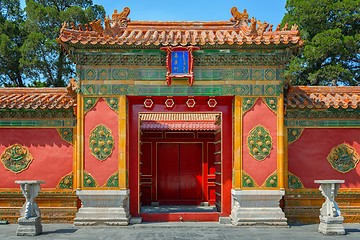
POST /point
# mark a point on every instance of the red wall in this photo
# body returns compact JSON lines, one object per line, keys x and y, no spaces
{"x":101,"y":114}
{"x":136,"y":105}
{"x":53,"y":157}
{"x":308,"y":155}
{"x":259,"y":114}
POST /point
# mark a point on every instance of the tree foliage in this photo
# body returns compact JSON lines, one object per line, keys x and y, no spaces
{"x":12,"y":36}
{"x":29,"y":46}
{"x":331,"y":33}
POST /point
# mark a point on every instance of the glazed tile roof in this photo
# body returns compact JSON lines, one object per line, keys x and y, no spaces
{"x":121,"y":31}
{"x":37,"y":98}
{"x":178,"y":121}
{"x":323,"y":97}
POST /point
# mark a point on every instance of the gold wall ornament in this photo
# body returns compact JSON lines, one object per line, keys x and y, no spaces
{"x":343,"y":158}
{"x":101,"y":142}
{"x":259,"y":142}
{"x":16,"y":158}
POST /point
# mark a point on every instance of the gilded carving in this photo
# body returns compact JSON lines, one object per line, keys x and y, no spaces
{"x":89,"y":180}
{"x":272,"y":180}
{"x":66,"y":182}
{"x":101,"y":142}
{"x":343,"y":158}
{"x":247,"y":180}
{"x":113,"y":180}
{"x":271,"y":103}
{"x":259,"y":142}
{"x":294,"y":182}
{"x":294,"y":134}
{"x":89,"y":103}
{"x":16,"y":158}
{"x":113,"y":103}
{"x":66,"y":134}
{"x":247,"y":104}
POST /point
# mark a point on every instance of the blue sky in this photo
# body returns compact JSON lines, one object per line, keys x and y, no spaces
{"x":271,"y":11}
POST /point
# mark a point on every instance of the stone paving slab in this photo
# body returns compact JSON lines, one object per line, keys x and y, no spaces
{"x":180,"y":231}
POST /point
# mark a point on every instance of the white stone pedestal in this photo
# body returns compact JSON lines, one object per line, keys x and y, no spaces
{"x":330,"y":215}
{"x":30,"y":220}
{"x":257,"y":207}
{"x":103,"y":207}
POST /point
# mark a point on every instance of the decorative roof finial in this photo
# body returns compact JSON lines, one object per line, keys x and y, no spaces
{"x":238,"y":17}
{"x":121,"y":18}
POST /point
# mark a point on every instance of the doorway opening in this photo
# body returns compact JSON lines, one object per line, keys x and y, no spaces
{"x":179,"y":165}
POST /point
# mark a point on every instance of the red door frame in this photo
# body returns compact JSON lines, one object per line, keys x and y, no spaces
{"x":136,"y":106}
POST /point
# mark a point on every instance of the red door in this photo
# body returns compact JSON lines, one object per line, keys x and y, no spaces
{"x":179,"y":173}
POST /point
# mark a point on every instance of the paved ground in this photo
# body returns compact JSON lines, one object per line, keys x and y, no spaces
{"x":180,"y":231}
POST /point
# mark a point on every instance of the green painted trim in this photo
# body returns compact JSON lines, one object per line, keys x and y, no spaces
{"x":66,"y":134}
{"x":89,"y":180}
{"x":38,"y":123}
{"x":182,"y":90}
{"x":321,"y":123}
{"x":89,"y":103}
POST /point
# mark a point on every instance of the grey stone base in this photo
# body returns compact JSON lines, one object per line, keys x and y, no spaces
{"x":331,"y":225}
{"x":257,"y":207}
{"x":135,"y":220}
{"x":224,"y":220}
{"x":29,"y":226}
{"x":103,"y":207}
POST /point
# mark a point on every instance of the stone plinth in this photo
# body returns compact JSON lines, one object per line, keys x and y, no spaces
{"x":257,"y":207}
{"x":103,"y":207}
{"x":330,"y":215}
{"x":30,"y":220}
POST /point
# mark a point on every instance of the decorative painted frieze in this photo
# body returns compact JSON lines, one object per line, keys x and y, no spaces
{"x":247,"y":180}
{"x":181,"y":90}
{"x":214,"y":73}
{"x":294,"y":134}
{"x":113,"y":180}
{"x":16,"y":158}
{"x":294,"y":182}
{"x":259,"y":142}
{"x":101,"y":142}
{"x":247,"y":104}
{"x":66,"y":182}
{"x":89,"y":180}
{"x":343,"y":158}
{"x":271,"y":181}
{"x":66,"y":134}
{"x":113,"y":103}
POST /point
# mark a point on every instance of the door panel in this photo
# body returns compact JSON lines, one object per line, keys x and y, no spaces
{"x":190,"y":171}
{"x":179,"y":172}
{"x":168,"y":171}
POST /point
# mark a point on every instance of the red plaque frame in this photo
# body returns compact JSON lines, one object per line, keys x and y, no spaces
{"x":189,"y":74}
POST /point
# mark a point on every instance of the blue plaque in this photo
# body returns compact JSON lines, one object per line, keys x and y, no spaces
{"x":180,"y":62}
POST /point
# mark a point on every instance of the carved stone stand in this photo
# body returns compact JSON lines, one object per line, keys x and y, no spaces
{"x":30,"y":220}
{"x":330,"y":215}
{"x":103,"y":207}
{"x":257,"y":207}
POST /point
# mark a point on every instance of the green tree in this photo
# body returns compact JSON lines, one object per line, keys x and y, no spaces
{"x":12,"y":37}
{"x":331,"y":33}
{"x":42,"y":55}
